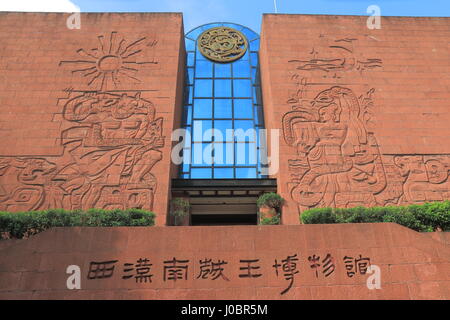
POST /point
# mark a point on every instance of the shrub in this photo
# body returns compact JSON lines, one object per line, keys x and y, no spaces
{"x":318,"y":215}
{"x":271,"y":200}
{"x":270,"y":221}
{"x":426,"y":217}
{"x":23,"y":224}
{"x":179,"y":209}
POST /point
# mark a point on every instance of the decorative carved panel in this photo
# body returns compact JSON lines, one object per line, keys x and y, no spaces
{"x":222,"y":44}
{"x":336,"y":160}
{"x":111,"y":139}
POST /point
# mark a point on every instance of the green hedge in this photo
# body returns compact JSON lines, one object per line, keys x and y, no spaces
{"x":23,"y":224}
{"x":425,"y":218}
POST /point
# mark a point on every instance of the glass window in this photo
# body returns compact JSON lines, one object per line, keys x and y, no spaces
{"x":203,"y":88}
{"x":202,"y":130}
{"x":186,"y":167}
{"x":245,"y":173}
{"x":223,"y":173}
{"x":188,"y":113}
{"x":257,"y":95}
{"x":255,"y":76}
{"x":244,"y":130}
{"x":226,"y":129}
{"x":223,"y":108}
{"x":190,"y":72}
{"x":222,"y":88}
{"x":246,"y":154}
{"x":190,"y":59}
{"x":190,"y":45}
{"x":242,"y":88}
{"x":201,"y":173}
{"x":254,"y":59}
{"x":241,"y":69}
{"x":245,"y":56}
{"x":192,"y":35}
{"x":254,"y":45}
{"x":243,"y":109}
{"x":188,"y":93}
{"x":224,"y":154}
{"x":223,"y":111}
{"x":188,"y":138}
{"x":249,"y":34}
{"x":222,"y":70}
{"x":202,"y":154}
{"x":203,"y":69}
{"x":259,"y":120}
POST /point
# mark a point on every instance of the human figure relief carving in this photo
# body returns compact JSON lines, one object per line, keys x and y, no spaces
{"x":114,"y":144}
{"x":335,"y":153}
{"x":111,"y":140}
{"x":338,"y":162}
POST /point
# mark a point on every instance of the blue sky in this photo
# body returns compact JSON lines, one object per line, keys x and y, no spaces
{"x":246,"y":12}
{"x":249,"y":12}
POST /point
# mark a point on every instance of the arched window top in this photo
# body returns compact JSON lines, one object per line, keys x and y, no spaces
{"x":252,"y":36}
{"x":221,"y":98}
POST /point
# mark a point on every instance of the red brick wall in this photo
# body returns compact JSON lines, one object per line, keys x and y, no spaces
{"x":412,"y":265}
{"x":363,"y":113}
{"x":443,"y":237}
{"x":86,"y":115}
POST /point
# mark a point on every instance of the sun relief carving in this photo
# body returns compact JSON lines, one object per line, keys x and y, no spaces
{"x":112,"y":63}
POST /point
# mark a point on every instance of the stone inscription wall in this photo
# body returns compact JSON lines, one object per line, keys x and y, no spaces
{"x":240,"y":262}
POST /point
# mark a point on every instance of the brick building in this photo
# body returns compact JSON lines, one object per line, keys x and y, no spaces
{"x":319,"y":109}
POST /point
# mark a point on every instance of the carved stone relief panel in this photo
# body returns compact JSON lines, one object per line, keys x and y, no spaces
{"x":111,"y":137}
{"x":331,"y":128}
{"x":332,"y":57}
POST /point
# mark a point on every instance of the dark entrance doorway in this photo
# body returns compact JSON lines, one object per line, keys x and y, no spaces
{"x":223,"y":219}
{"x":215,"y":202}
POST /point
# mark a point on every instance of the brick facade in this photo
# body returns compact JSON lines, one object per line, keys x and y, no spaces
{"x":363,"y":113}
{"x":412,"y":265}
{"x":86,"y":121}
{"x":87,"y":114}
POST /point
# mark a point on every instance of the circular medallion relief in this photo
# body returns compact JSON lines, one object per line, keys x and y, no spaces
{"x":222,"y":44}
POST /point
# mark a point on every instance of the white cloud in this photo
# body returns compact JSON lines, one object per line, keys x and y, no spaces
{"x":39,"y":6}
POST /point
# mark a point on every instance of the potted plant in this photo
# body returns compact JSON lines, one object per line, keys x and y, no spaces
{"x":269,"y":205}
{"x":180,"y":211}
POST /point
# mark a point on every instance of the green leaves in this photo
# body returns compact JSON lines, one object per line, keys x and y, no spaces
{"x":180,"y":207}
{"x":270,"y":221}
{"x":425,"y":218}
{"x":271,"y":200}
{"x":23,"y":224}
